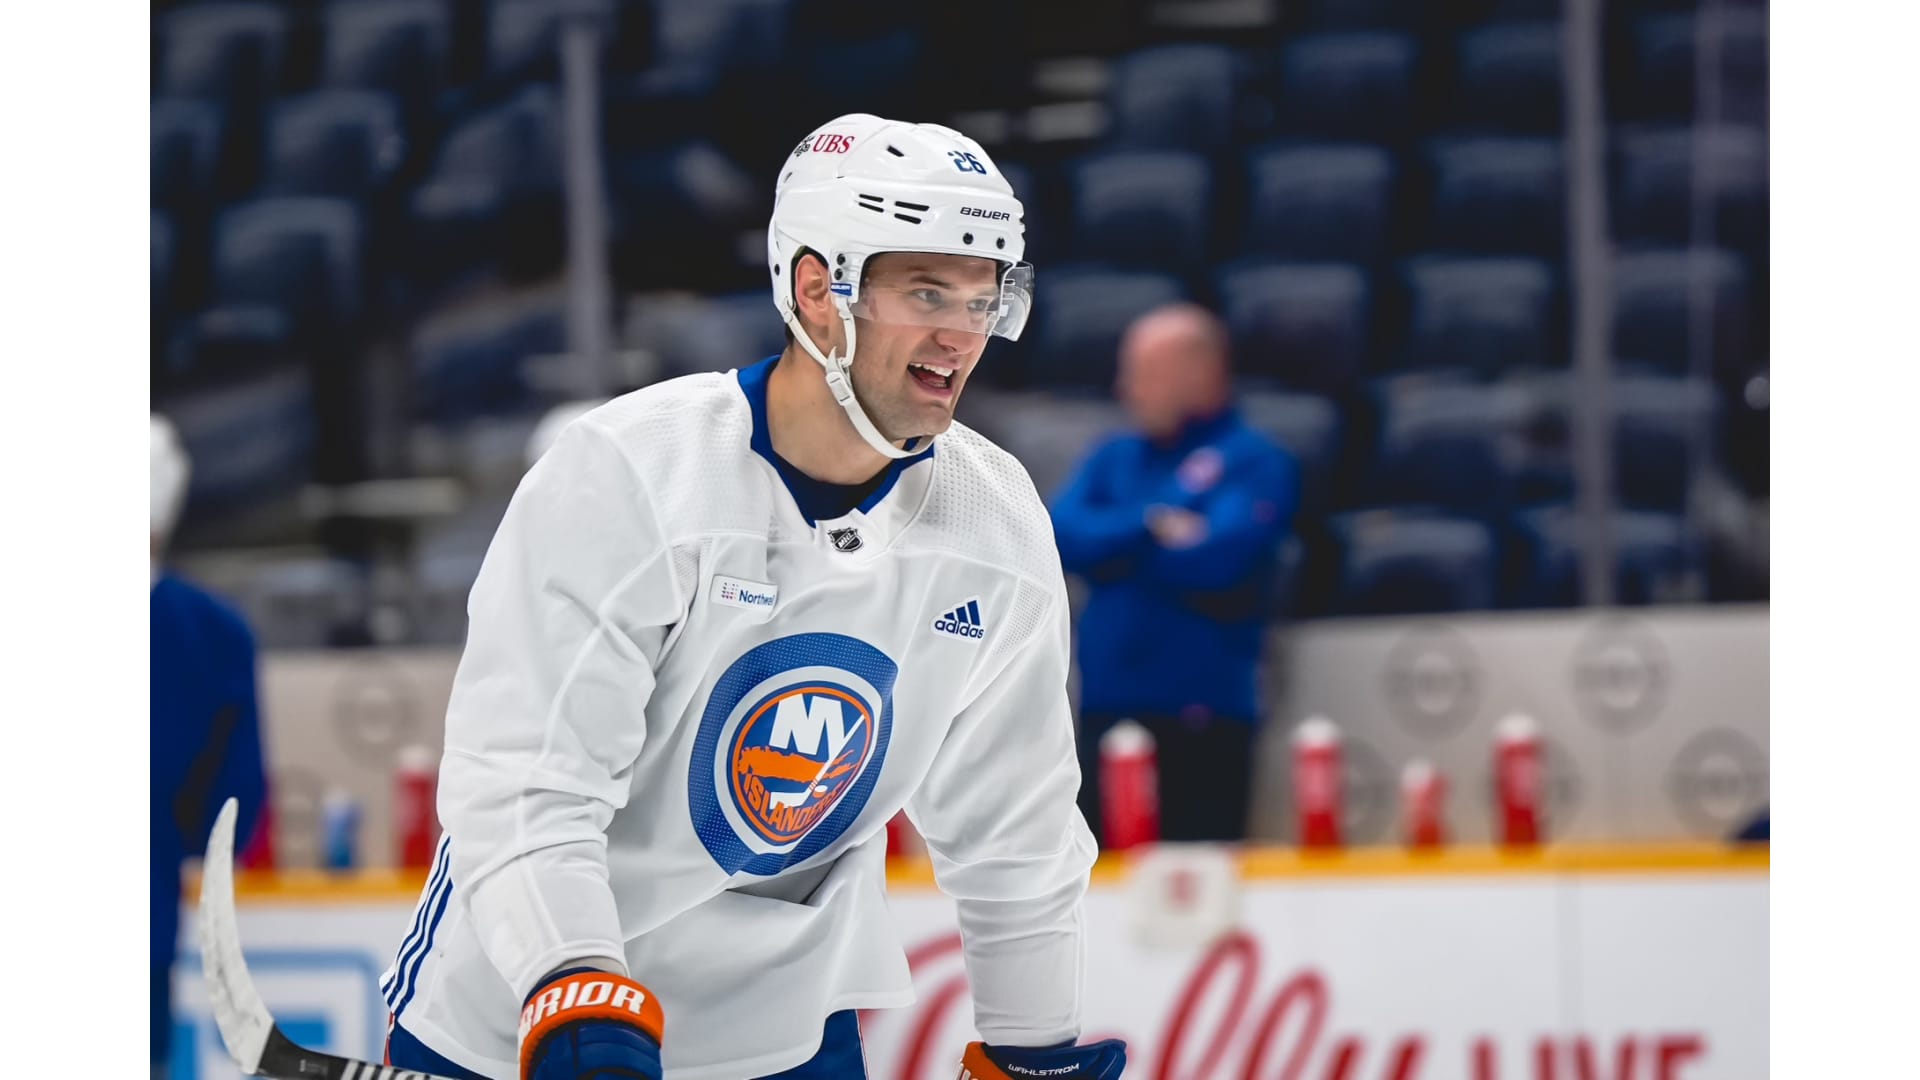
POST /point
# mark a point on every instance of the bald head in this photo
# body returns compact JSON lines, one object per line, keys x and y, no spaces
{"x":1173,"y":367}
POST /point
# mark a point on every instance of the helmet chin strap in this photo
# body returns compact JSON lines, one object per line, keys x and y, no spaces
{"x":839,"y":372}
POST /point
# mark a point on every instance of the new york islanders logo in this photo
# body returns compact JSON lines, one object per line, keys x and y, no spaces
{"x":795,"y":754}
{"x":790,"y":745}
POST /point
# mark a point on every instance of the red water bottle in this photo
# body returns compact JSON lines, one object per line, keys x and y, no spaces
{"x":1316,"y":782}
{"x":903,"y":840}
{"x":416,"y":821}
{"x":1518,"y":780}
{"x":1130,"y":786}
{"x":1423,"y":805}
{"x":258,"y":853}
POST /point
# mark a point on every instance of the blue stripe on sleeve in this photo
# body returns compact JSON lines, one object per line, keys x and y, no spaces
{"x":413,"y":976}
{"x":390,"y":982}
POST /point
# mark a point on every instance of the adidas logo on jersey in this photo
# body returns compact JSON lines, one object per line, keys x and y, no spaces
{"x":962,"y":622}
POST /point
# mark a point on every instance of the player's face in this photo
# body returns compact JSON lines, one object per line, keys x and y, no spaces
{"x":923,"y":322}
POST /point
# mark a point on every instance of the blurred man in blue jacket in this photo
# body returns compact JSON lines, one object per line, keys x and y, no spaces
{"x":1177,"y":529}
{"x":204,"y":726}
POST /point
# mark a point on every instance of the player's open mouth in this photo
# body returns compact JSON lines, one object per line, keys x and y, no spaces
{"x":932,"y":376}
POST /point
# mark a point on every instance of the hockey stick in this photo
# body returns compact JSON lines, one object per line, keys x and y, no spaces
{"x":245,"y":1025}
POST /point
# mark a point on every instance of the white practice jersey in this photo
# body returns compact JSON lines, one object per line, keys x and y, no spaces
{"x":685,"y":714}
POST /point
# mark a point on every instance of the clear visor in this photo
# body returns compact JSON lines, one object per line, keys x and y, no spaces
{"x":921,"y":299}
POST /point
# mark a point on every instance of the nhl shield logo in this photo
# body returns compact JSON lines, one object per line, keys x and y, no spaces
{"x":847,"y":539}
{"x":790,"y":744}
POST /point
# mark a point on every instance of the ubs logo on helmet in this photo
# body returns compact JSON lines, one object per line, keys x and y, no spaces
{"x":789,"y":747}
{"x":830,"y":143}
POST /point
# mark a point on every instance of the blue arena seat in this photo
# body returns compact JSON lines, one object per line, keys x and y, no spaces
{"x":285,"y":277}
{"x":692,"y":202}
{"x":402,"y":47}
{"x":162,"y":290}
{"x":185,"y":151}
{"x":1649,"y":6}
{"x":471,"y":362}
{"x":494,"y":155}
{"x":1142,"y":208}
{"x":161,"y":244}
{"x":1659,"y":423}
{"x":1354,"y":85}
{"x":1510,"y":77}
{"x":1654,"y":559}
{"x":1174,"y":96}
{"x":1498,"y":195}
{"x":1361,"y":14}
{"x":754,"y":321}
{"x":1086,"y":310}
{"x":1656,"y":420}
{"x":525,"y":34}
{"x":250,"y":441}
{"x":1398,"y":562}
{"x":1658,"y":173}
{"x":1666,"y":50}
{"x":301,"y":255}
{"x":699,"y":41}
{"x":1308,"y":426}
{"x":345,"y":143}
{"x":1543,"y":470}
{"x":1305,"y":325}
{"x":736,"y":73}
{"x":1453,"y":447}
{"x":1319,"y":202}
{"x":1470,"y":12}
{"x":1483,"y":313}
{"x":492,"y":197}
{"x":720,"y":333}
{"x":850,"y":69}
{"x":1749,"y":434}
{"x":1654,"y":296}
{"x":229,"y":52}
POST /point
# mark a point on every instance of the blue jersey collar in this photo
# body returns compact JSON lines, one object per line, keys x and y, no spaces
{"x":817,"y":500}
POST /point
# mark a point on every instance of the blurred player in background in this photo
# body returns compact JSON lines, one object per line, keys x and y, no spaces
{"x":1177,"y":527}
{"x":730,"y":625}
{"x":205,"y":726}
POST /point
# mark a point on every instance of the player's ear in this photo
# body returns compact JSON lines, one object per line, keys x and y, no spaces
{"x":811,"y":297}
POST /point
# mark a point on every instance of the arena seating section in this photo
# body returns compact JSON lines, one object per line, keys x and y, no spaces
{"x":358,"y":245}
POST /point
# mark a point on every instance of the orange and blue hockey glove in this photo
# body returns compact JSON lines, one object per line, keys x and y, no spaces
{"x":587,"y":1024}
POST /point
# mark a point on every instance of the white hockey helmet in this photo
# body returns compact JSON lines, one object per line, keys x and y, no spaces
{"x":861,"y":185}
{"x":171,"y":471}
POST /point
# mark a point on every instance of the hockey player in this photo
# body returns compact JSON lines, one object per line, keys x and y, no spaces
{"x":204,"y":725}
{"x":729,"y":626}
